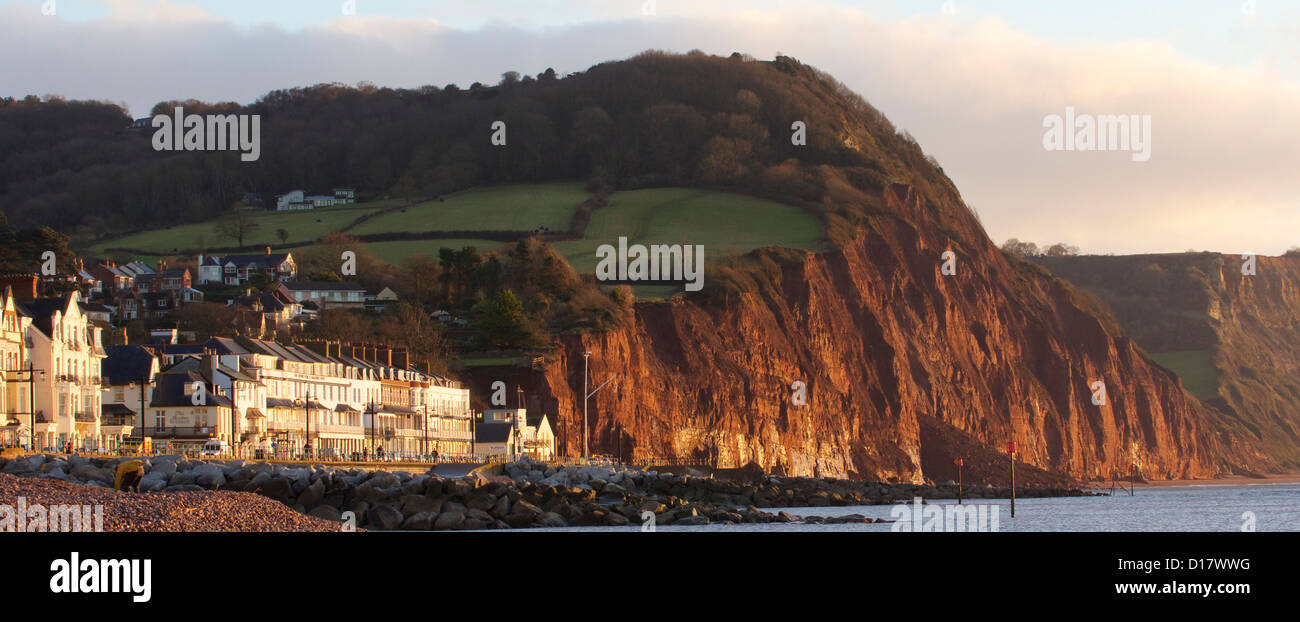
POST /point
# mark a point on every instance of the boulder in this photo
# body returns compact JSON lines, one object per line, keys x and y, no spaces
{"x":152,"y":481}
{"x":551,"y":519}
{"x":92,"y":473}
{"x":502,"y":507}
{"x":481,"y":501}
{"x":420,"y":504}
{"x":384,"y":517}
{"x":692,"y":520}
{"x":327,"y":512}
{"x":209,"y":476}
{"x":422,"y":521}
{"x":277,"y":488}
{"x":449,"y":520}
{"x":23,"y":465}
{"x":312,"y":495}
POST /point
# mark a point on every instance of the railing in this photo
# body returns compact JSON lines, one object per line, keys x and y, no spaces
{"x":85,"y":417}
{"x":184,"y":432}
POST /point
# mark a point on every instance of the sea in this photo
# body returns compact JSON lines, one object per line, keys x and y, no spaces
{"x":1177,"y":508}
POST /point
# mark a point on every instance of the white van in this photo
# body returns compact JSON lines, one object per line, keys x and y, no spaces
{"x":214,"y":448}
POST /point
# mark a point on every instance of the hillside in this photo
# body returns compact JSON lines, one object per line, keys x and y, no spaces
{"x":1233,"y":339}
{"x":1000,"y":351}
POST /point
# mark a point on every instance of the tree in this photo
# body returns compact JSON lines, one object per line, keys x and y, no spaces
{"x":1061,"y":249}
{"x":1023,"y":249}
{"x":283,"y":234}
{"x":206,"y":319}
{"x":237,"y":225}
{"x":503,"y":322}
{"x":409,"y":325}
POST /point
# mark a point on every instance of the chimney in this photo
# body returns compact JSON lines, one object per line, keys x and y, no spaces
{"x":24,"y":286}
{"x":400,"y":358}
{"x":268,"y":250}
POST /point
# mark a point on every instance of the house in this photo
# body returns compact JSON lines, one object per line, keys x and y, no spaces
{"x":68,"y":348}
{"x":378,"y":300}
{"x":325,"y":295}
{"x":137,"y":269}
{"x":112,"y":279}
{"x":158,"y":305}
{"x":291,"y":200}
{"x":238,"y":269}
{"x":15,"y":408}
{"x":244,"y":388}
{"x":533,"y":434}
{"x":278,"y":309}
{"x":539,"y":438}
{"x":100,"y":315}
{"x":495,"y":440}
{"x":209,"y":270}
{"x":127,"y":373}
{"x":171,"y":280}
{"x":345,"y":196}
{"x":185,"y":409}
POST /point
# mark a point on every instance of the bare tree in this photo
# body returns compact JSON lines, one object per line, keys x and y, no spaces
{"x":237,"y":224}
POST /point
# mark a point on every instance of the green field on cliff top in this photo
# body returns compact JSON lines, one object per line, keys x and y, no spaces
{"x":723,"y":222}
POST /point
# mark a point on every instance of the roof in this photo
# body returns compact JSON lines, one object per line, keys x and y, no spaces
{"x":125,"y":364}
{"x":534,"y":421}
{"x":261,"y":260}
{"x":42,"y":311}
{"x":169,"y":390}
{"x":322,"y":285}
{"x":492,"y":432}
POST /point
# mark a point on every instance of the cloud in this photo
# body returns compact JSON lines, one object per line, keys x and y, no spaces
{"x":973,"y":92}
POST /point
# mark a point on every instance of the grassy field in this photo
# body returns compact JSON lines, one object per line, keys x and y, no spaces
{"x":720,"y":221}
{"x":1195,"y":367}
{"x":513,"y":208}
{"x":302,"y":226}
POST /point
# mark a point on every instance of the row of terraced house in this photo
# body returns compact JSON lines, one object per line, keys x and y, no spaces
{"x":64,"y":388}
{"x":256,"y":396}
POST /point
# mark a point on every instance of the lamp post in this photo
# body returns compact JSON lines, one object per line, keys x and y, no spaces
{"x":31,"y":372}
{"x":306,"y":411}
{"x":585,"y":396}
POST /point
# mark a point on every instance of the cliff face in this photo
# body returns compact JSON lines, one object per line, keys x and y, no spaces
{"x":1000,"y":351}
{"x":1234,"y":337}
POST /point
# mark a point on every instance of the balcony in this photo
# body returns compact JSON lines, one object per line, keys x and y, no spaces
{"x":85,"y":417}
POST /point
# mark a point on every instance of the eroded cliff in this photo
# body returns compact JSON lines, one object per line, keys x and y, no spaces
{"x":1001,"y":350}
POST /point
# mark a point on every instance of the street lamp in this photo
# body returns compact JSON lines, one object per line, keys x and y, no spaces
{"x":31,"y":372}
{"x":306,"y":408}
{"x":585,"y":395}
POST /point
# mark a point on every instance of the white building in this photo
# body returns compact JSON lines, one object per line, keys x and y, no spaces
{"x":291,"y":200}
{"x":15,"y":409}
{"x":67,"y":348}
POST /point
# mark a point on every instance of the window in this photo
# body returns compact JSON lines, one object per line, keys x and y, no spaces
{"x":160,"y":419}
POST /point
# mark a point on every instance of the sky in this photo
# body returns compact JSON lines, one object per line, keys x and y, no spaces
{"x":974,"y":82}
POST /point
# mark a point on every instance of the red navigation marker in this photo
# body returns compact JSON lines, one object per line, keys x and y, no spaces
{"x":957,"y":462}
{"x":1011,"y":447}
